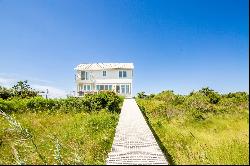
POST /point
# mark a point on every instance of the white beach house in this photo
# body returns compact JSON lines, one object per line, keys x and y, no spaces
{"x":94,"y":77}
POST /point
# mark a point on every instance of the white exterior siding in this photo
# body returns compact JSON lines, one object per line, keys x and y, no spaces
{"x":110,"y":74}
{"x":122,"y":86}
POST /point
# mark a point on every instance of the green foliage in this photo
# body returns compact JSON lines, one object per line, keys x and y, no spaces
{"x":141,"y":95}
{"x":167,"y":96}
{"x":75,"y":130}
{"x":94,"y":102}
{"x":81,"y":138}
{"x":203,"y":127}
{"x":238,"y":96}
{"x":105,"y":99}
{"x":22,"y":90}
{"x":214,"y":97}
{"x":5,"y":93}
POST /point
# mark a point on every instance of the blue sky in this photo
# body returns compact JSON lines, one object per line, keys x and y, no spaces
{"x":181,"y":45}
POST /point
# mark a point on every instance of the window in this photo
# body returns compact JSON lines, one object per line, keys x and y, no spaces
{"x":87,"y":75}
{"x":88,"y":87}
{"x":84,"y":75}
{"x":124,"y":73}
{"x":117,"y":88}
{"x":120,"y":74}
{"x":104,"y":87}
{"x":123,"y":88}
{"x":101,"y":87}
{"x":104,"y":73}
{"x":80,"y":87}
{"x":127,"y":89}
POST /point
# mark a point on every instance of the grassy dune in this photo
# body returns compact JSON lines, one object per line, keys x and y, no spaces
{"x":198,"y":132}
{"x":58,"y":131}
{"x":82,"y":138}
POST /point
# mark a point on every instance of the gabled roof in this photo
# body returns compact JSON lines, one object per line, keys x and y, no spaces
{"x":101,"y":66}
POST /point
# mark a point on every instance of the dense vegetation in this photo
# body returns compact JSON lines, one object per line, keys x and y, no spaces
{"x":204,"y":127}
{"x":35,"y":130}
{"x":21,"y":90}
{"x":106,"y":100}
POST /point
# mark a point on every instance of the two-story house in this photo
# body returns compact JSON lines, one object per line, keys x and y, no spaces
{"x":104,"y":76}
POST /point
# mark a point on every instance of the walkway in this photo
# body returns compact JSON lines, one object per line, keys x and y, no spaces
{"x":134,"y":142}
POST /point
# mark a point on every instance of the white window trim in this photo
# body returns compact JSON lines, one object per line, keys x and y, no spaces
{"x":104,"y":71}
{"x":122,"y":75}
{"x":86,"y":75}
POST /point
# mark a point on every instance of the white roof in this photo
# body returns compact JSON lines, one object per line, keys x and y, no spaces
{"x":101,"y":66}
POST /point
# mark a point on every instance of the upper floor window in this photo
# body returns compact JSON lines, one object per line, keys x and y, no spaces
{"x":84,"y":75}
{"x":122,"y":74}
{"x":104,"y":73}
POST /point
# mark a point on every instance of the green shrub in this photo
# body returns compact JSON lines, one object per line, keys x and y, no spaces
{"x":93,"y":102}
{"x":214,"y":97}
{"x":22,"y":90}
{"x":141,"y":95}
{"x":203,"y":127}
{"x":167,"y":96}
{"x":105,"y":99}
{"x":5,"y":93}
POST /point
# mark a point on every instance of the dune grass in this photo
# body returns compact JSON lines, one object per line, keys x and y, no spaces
{"x":35,"y":130}
{"x":199,"y":132}
{"x":59,"y":138}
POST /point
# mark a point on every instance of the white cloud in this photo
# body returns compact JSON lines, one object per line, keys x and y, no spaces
{"x":53,"y":92}
{"x":8,"y":80}
{"x":11,"y":78}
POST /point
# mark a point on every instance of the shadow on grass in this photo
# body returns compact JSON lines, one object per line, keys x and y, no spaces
{"x":164,"y":150}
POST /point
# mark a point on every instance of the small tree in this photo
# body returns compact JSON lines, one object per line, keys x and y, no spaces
{"x":206,"y":91}
{"x":213,"y":96}
{"x":141,"y":95}
{"x":22,"y":89}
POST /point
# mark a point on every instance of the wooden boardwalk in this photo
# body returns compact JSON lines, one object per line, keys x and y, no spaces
{"x":134,"y":142}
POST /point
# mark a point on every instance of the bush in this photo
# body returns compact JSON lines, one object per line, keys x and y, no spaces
{"x":104,"y":100}
{"x":192,"y":126}
{"x":214,"y":97}
{"x":167,"y":96}
{"x":5,"y":93}
{"x":141,"y":95}
{"x":239,"y":96}
{"x":92,"y":102}
{"x":23,"y":90}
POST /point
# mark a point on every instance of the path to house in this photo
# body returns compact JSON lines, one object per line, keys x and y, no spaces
{"x":134,"y":142}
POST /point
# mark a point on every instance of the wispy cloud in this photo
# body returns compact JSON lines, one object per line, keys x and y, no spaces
{"x":8,"y":80}
{"x":53,"y":92}
{"x":12,"y":78}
